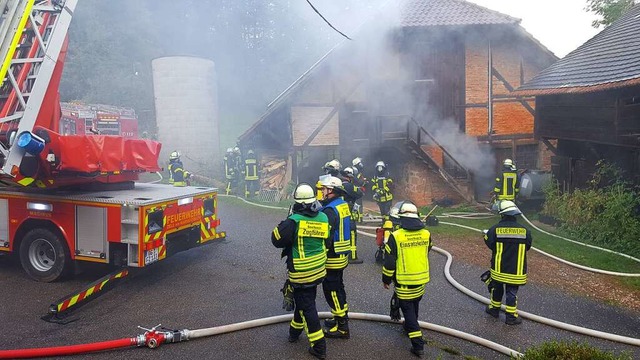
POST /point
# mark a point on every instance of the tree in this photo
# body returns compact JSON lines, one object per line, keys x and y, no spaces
{"x":609,"y":10}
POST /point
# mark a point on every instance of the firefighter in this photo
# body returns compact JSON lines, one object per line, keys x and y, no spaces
{"x":406,"y":264}
{"x":338,"y":248}
{"x":390,"y":223}
{"x":360,"y":181}
{"x":352,"y":194}
{"x":306,"y":258}
{"x":382,"y":186}
{"x":507,"y":184}
{"x":509,"y":243}
{"x":251,"y":180}
{"x":330,"y":168}
{"x":230,"y":171}
{"x":178,"y":176}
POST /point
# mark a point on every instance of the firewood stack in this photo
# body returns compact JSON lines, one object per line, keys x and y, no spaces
{"x":273,"y":173}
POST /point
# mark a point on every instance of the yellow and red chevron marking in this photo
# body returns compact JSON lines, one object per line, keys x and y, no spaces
{"x":158,"y":235}
{"x":73,"y":300}
{"x":162,"y":252}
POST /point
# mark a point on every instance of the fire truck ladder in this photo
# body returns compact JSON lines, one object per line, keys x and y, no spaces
{"x":32,"y":34}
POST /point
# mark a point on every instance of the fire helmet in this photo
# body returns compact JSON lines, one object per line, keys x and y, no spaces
{"x":508,"y":207}
{"x":330,"y":182}
{"x":393,"y":212}
{"x":304,"y":194}
{"x":348,"y":171}
{"x":357,"y":161}
{"x":381,"y":166}
{"x":409,"y":210}
{"x":508,"y":163}
{"x":174,"y":155}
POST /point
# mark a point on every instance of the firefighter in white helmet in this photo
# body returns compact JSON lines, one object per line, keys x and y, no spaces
{"x":509,"y":243}
{"x":406,"y":264}
{"x":507,"y":184}
{"x":302,"y":238}
{"x":230,"y":171}
{"x":361,"y":181}
{"x":352,"y":193}
{"x":382,"y":188}
{"x":251,"y":175}
{"x":178,"y":176}
{"x":338,"y":249}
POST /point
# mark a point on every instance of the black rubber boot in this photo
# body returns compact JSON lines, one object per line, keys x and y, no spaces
{"x":495,"y":312}
{"x":417,"y":346}
{"x":329,"y":323}
{"x":340,"y":330}
{"x":319,"y":349}
{"x":294,"y":334}
{"x":513,"y":320}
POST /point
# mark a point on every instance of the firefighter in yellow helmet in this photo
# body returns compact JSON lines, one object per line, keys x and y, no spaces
{"x":509,"y":243}
{"x":507,"y":185}
{"x":178,"y":176}
{"x":251,"y":178}
{"x":338,"y":249}
{"x":302,"y":238}
{"x":406,"y":264}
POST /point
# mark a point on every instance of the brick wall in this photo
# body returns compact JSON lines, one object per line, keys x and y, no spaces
{"x":509,"y":117}
{"x":421,"y":185}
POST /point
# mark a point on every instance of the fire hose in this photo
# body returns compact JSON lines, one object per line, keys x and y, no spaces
{"x":157,"y":335}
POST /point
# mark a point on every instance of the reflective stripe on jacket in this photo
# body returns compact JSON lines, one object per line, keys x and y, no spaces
{"x":308,"y":251}
{"x":509,"y":242}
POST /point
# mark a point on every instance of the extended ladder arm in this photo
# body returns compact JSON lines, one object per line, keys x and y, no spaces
{"x":33,"y":34}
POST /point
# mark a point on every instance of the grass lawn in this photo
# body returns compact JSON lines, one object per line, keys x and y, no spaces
{"x":566,"y":250}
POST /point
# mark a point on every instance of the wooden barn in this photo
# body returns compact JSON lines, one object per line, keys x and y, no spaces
{"x":588,"y":104}
{"x":427,"y":88}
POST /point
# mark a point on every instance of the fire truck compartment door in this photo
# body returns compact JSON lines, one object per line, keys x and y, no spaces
{"x":91,"y":232}
{"x":4,"y":221}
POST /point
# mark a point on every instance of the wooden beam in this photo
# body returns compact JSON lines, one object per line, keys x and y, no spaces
{"x":499,"y":76}
{"x":550,"y":146}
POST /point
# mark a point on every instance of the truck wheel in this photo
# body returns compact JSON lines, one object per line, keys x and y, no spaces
{"x":44,"y":256}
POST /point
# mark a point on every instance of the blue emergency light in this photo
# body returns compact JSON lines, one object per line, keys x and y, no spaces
{"x":31,"y":143}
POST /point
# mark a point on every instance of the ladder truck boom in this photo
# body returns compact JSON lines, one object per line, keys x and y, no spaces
{"x":33,"y":36}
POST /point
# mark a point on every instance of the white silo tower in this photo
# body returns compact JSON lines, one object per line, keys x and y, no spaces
{"x":186,"y":104}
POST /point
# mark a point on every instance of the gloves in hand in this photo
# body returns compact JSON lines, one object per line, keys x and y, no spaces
{"x":394,"y":308}
{"x":288,"y":304}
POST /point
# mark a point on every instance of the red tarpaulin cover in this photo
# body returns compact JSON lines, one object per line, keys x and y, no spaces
{"x":106,"y":153}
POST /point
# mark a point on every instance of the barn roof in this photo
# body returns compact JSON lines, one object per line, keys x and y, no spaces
{"x":450,"y":13}
{"x":609,"y":60}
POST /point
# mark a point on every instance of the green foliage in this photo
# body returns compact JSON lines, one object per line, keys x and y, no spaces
{"x":609,"y":10}
{"x":570,"y":351}
{"x":605,"y":213}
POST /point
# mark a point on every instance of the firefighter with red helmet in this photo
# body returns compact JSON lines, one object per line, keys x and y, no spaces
{"x":406,"y":264}
{"x":338,"y":249}
{"x":303,"y":236}
{"x":509,"y":243}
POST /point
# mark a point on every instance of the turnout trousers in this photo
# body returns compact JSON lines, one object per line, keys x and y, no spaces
{"x":305,"y":315}
{"x":410,"y":310}
{"x":511,"y":301}
{"x":333,"y":288}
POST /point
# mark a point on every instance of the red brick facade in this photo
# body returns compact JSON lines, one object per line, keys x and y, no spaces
{"x":418,"y":183}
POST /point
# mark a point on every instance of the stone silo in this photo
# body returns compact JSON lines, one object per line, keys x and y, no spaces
{"x":186,"y":104}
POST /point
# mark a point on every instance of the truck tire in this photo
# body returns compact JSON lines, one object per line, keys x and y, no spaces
{"x":44,"y":256}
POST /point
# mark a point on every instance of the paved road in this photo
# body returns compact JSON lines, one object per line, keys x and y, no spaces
{"x":238,"y":280}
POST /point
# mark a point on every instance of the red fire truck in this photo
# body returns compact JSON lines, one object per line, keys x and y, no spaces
{"x":92,"y":119}
{"x":69,"y":197}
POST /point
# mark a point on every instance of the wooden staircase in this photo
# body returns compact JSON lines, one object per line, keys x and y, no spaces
{"x":425,"y":148}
